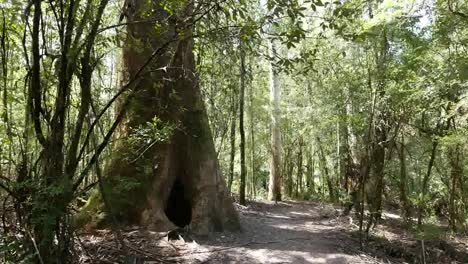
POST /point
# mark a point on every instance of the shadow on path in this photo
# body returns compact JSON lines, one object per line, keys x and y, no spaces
{"x":289,"y":232}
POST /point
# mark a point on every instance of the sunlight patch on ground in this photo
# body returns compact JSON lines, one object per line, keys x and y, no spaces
{"x":278,"y":216}
{"x":283,"y":256}
{"x":300,"y":213}
{"x":391,"y":215}
{"x":306,"y":227}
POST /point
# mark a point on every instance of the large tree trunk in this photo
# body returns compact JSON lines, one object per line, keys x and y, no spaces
{"x":274,"y":187}
{"x":175,"y":182}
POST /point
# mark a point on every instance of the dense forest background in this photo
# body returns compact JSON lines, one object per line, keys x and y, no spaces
{"x":360,"y":103}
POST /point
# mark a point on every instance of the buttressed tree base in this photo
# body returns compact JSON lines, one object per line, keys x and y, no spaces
{"x":173,"y":180}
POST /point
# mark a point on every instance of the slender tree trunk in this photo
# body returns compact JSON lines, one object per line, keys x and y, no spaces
{"x":325,"y":172}
{"x":299,"y":167}
{"x":232,"y":141}
{"x":288,"y":168}
{"x":339,"y":163}
{"x":425,"y":182}
{"x":375,"y":182}
{"x":403,"y":181}
{"x":359,"y":197}
{"x":252,"y":139}
{"x":456,"y":172}
{"x":310,"y":173}
{"x":452,"y":198}
{"x":274,"y":187}
{"x":296,"y":180}
{"x":241,"y":128}
{"x":4,"y":54}
{"x":379,"y":145}
{"x":289,"y":175}
{"x":345,"y":156}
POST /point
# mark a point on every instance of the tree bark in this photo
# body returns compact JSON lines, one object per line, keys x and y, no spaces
{"x":379,"y":144}
{"x":175,"y":181}
{"x":403,"y":181}
{"x":310,"y":173}
{"x":241,"y":127}
{"x":274,"y":187}
{"x":288,"y":168}
{"x":299,"y":168}
{"x":325,"y":172}
{"x":232,"y":141}
{"x":253,"y":163}
{"x":426,"y":179}
{"x":456,"y":172}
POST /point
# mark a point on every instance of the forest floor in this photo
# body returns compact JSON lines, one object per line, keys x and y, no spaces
{"x":287,"y":232}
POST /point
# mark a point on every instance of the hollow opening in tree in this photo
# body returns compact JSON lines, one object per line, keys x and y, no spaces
{"x":178,"y":206}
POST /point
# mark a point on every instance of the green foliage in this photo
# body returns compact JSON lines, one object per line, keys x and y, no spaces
{"x":348,"y":70}
{"x":12,"y":251}
{"x":120,"y":192}
{"x":431,"y":231}
{"x":144,"y":137}
{"x":343,"y":65}
{"x":123,"y":192}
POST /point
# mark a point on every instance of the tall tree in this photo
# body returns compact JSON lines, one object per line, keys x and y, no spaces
{"x":274,"y":187}
{"x":241,"y":126}
{"x":232,"y":138}
{"x":165,"y":170}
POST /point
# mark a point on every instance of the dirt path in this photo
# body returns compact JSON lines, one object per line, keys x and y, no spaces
{"x":288,"y":232}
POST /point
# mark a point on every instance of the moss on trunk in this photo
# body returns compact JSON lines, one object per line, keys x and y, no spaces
{"x":141,"y":176}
